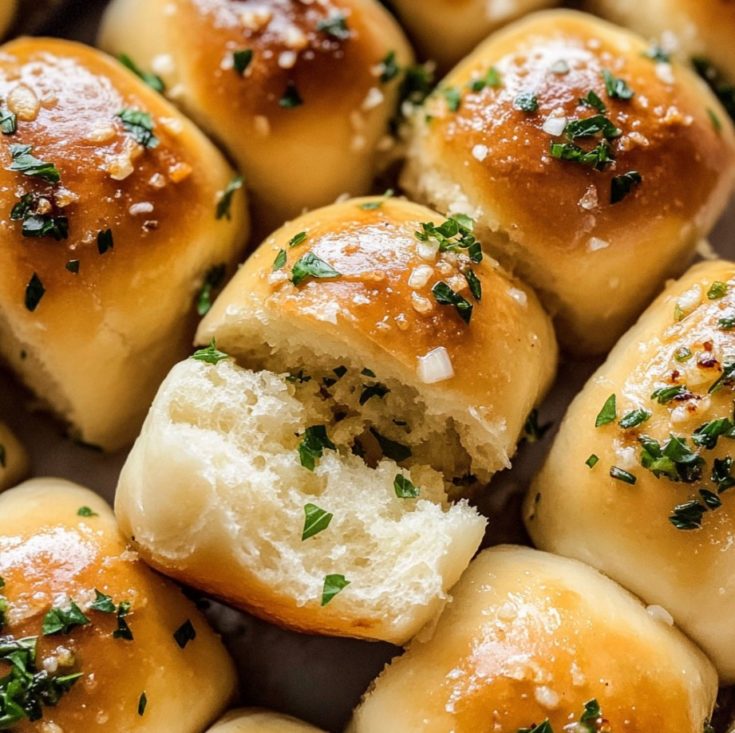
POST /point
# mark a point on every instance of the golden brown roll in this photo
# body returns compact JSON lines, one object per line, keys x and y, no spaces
{"x":260,"y":721}
{"x":636,"y":485}
{"x":14,"y":462}
{"x":531,"y":637}
{"x":93,"y":638}
{"x":447,"y":30}
{"x":308,"y":477}
{"x":8,"y":9}
{"x":592,"y":169}
{"x":117,"y":224}
{"x":691,"y":29}
{"x":299,"y":93}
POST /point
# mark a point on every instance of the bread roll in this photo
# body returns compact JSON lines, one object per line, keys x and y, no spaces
{"x":670,"y":377}
{"x":260,"y":721}
{"x":531,"y":637}
{"x":691,"y":29}
{"x":355,"y":396}
{"x":300,"y":94}
{"x":111,"y":239}
{"x":14,"y":462}
{"x":121,"y":648}
{"x":8,"y":9}
{"x":597,"y":244}
{"x":447,"y":30}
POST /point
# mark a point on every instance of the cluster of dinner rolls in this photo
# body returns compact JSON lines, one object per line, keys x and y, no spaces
{"x":260,"y":721}
{"x":592,"y":169}
{"x":121,"y":224}
{"x":695,"y":30}
{"x":530,"y":638}
{"x":643,"y":462}
{"x":300,"y":93}
{"x":446,"y":30}
{"x":13,"y":459}
{"x":363,"y":370}
{"x":93,"y":639}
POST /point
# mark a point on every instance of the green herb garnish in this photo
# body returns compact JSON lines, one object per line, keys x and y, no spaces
{"x":591,"y":462}
{"x":333,"y":584}
{"x":634,"y":418}
{"x":311,"y":448}
{"x":621,"y":186}
{"x":152,"y":80}
{"x":404,"y":488}
{"x":241,"y":60}
{"x":184,"y":634}
{"x":222,"y":211}
{"x":316,"y":520}
{"x":210,"y":355}
{"x":444,"y":295}
{"x":62,"y":621}
{"x":290,"y":97}
{"x":311,"y":266}
{"x":608,"y":413}
{"x":526,"y":102}
{"x":140,"y":125}
{"x":616,"y":88}
{"x":85,"y":511}
{"x":26,"y":163}
{"x":335,"y":26}
{"x":621,"y":475}
{"x":34,"y":292}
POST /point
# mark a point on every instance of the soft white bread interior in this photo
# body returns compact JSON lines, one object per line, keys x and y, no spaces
{"x":664,"y":527}
{"x":304,"y":108}
{"x":260,"y":721}
{"x":217,"y":488}
{"x":530,"y":637}
{"x":14,"y":463}
{"x":447,"y":30}
{"x":115,"y":234}
{"x":561,"y":136}
{"x":691,"y":29}
{"x":146,"y":659}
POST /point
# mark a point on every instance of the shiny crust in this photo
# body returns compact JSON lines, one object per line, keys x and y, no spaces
{"x":48,"y":552}
{"x":447,"y":30}
{"x":595,"y":263}
{"x":297,"y":157}
{"x":137,"y":298}
{"x":626,"y":531}
{"x":689,"y":27}
{"x":254,"y":720}
{"x":372,"y":311}
{"x":530,"y":636}
{"x":14,"y":462}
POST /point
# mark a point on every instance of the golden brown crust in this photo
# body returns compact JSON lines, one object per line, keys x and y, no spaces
{"x":382,"y":304}
{"x":685,"y":27}
{"x":681,"y":341}
{"x":158,"y":203}
{"x":305,"y":116}
{"x":555,"y":219}
{"x":49,"y":554}
{"x":530,"y":636}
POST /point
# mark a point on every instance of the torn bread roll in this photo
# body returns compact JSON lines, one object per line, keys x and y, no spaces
{"x":260,"y":721}
{"x":119,"y":220}
{"x":447,"y":30}
{"x":592,"y":169}
{"x":14,"y":463}
{"x":696,"y":31}
{"x":300,"y":94}
{"x":307,"y":476}
{"x":637,"y":482}
{"x":93,"y":638}
{"x":532,"y":639}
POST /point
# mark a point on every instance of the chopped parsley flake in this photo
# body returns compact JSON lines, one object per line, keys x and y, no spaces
{"x":714,"y":119}
{"x":316,"y":520}
{"x":592,"y":99}
{"x":608,"y":413}
{"x":104,"y":241}
{"x":37,"y":224}
{"x":454,"y":235}
{"x":140,"y":125}
{"x":280,"y":260}
{"x":311,"y":448}
{"x":616,"y":88}
{"x":591,"y":126}
{"x":224,"y":204}
{"x":85,"y":511}
{"x":717,"y":290}
{"x":664,"y":395}
{"x":26,"y":163}
{"x":8,"y":122}
{"x":726,"y":324}
{"x":333,"y":584}
{"x":725,"y":379}
{"x":707,"y":435}
{"x":185,"y":633}
{"x":241,"y":59}
{"x":311,"y":266}
{"x":297,"y":239}
{"x":526,"y":102}
{"x":599,"y":157}
{"x":453,"y":98}
{"x":688,"y":516}
{"x":634,"y":418}
{"x":674,"y":459}
{"x":492,"y":80}
{"x":62,"y":621}
{"x":657,"y":54}
{"x":290,"y":97}
{"x":72,"y":266}
{"x":103,"y":603}
{"x":621,"y":186}
{"x":621,"y":475}
{"x":373,"y":390}
{"x":404,"y":488}
{"x":212,"y":282}
{"x":444,"y":295}
{"x":591,"y":462}
{"x":152,"y":80}
{"x":389,"y":68}
{"x":34,"y":292}
{"x":210,"y":355}
{"x":142,"y":703}
{"x":335,"y":26}
{"x":474,"y":283}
